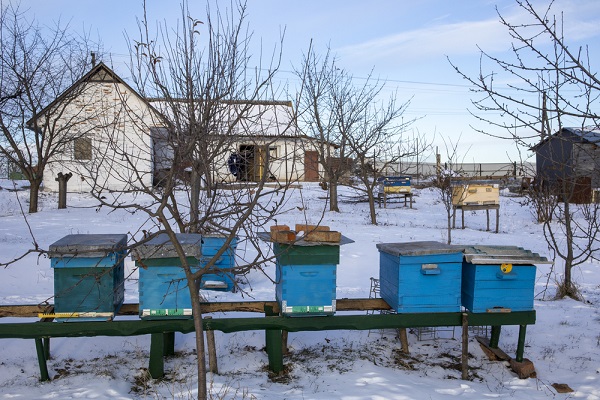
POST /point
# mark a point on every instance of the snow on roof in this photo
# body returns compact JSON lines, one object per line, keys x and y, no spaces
{"x":260,"y":118}
{"x":591,"y":135}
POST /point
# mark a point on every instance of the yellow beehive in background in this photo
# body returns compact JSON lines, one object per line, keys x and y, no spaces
{"x":475,"y":194}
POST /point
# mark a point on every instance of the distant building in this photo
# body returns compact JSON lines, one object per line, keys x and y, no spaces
{"x":121,"y":140}
{"x":570,"y":155}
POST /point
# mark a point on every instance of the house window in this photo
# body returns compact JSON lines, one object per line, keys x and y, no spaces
{"x":273,"y":152}
{"x":82,"y":148}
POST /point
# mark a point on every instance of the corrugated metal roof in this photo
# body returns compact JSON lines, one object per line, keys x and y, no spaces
{"x":502,"y":255}
{"x":417,"y":248}
{"x":592,"y":135}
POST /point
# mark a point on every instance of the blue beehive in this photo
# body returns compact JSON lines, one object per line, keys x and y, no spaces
{"x":498,"y":278}
{"x":420,"y":277}
{"x":306,"y":278}
{"x":163,"y":286}
{"x":224,"y":279}
{"x":88,"y":276}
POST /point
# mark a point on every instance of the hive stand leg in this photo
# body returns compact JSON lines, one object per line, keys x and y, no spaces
{"x":497,"y":218}
{"x":274,"y":344}
{"x":521,"y":343}
{"x":47,"y":348}
{"x":487,"y":218}
{"x":411,"y":200}
{"x":495,"y":336}
{"x":462,"y":213}
{"x":39,"y":347}
{"x":156,"y":365}
{"x":453,"y":217}
{"x":465,"y":348}
{"x":169,"y":344}
{"x":274,"y":350}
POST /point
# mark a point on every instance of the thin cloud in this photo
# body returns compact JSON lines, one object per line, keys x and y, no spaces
{"x":462,"y":38}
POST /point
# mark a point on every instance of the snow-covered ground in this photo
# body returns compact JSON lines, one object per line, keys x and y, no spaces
{"x":564,"y":344}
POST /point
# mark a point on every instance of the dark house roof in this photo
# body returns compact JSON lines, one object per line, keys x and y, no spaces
{"x":591,"y":135}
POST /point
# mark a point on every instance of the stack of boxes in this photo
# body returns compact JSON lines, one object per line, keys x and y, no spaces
{"x":306,"y":269}
{"x":418,"y":277}
{"x":88,"y":276}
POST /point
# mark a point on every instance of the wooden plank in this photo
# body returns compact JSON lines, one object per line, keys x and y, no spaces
{"x":311,"y":228}
{"x":25,"y":310}
{"x":283,"y":236}
{"x":493,"y":354}
{"x":323,"y":236}
{"x":235,"y":306}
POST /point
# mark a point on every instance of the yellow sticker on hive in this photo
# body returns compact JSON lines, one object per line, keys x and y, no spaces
{"x":506,"y":268}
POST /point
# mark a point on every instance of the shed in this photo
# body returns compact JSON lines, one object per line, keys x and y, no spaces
{"x":571,"y":155}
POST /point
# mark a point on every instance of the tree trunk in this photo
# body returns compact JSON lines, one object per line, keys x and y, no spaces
{"x":34,"y":192}
{"x":450,"y":215}
{"x":333,"y":196}
{"x":569,"y":288}
{"x":372,"y":206}
{"x":199,"y":330}
{"x":195,"y":184}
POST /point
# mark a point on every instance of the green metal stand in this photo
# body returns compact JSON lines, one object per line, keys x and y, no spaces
{"x":41,"y":353}
{"x":169,"y":343}
{"x":495,"y":336}
{"x":156,"y":366}
{"x":162,"y":332}
{"x":274,"y":350}
{"x":521,"y":343}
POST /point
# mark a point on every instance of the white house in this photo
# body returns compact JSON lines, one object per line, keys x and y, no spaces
{"x":121,"y":141}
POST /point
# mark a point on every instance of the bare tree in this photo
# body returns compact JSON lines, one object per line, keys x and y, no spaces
{"x":556,"y":82}
{"x":378,"y":140}
{"x":37,"y":120}
{"x":448,"y":191}
{"x":320,"y":107}
{"x":200,"y":103}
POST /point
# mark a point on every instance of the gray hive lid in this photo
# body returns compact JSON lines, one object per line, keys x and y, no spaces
{"x":161,"y":247}
{"x":418,"y":248}
{"x":493,"y":255}
{"x":88,"y":245}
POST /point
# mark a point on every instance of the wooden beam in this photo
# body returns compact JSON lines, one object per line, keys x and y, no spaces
{"x":235,"y":306}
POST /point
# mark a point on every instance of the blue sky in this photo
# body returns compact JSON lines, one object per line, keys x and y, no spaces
{"x":405,"y":43}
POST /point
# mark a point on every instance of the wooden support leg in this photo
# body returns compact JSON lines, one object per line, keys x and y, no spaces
{"x":453,"y":217}
{"x":156,"y":366}
{"x":487,"y":217}
{"x":462,"y":213}
{"x":411,"y":200}
{"x":169,"y":343}
{"x":212,"y":350}
{"x":465,"y":348}
{"x":284,"y":342}
{"x":39,"y":347}
{"x":497,"y":218}
{"x":403,"y":340}
{"x":495,"y":336}
{"x":274,"y":346}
